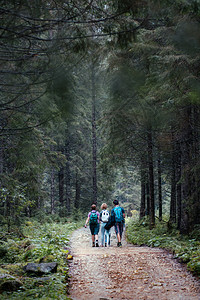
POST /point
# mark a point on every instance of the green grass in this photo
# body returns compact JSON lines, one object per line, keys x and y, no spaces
{"x":42,"y":243}
{"x":185,"y":248}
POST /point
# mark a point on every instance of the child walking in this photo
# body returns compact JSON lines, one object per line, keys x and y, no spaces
{"x":93,"y":219}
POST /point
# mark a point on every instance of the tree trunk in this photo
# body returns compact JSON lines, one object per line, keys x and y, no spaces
{"x":61,"y":190}
{"x":151,"y":179}
{"x":178,"y":186}
{"x":148,"y":199}
{"x":94,"y":139}
{"x":67,"y":177}
{"x":172,"y":217}
{"x":78,"y":192}
{"x":159,"y":187}
{"x":195,"y":213}
{"x":1,"y":155}
{"x":186,"y":165}
{"x":52,"y":191}
{"x":143,"y":182}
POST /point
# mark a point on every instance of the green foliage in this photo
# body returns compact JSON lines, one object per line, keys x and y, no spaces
{"x":10,"y":251}
{"x":60,"y":90}
{"x":185,"y":248}
{"x":45,"y":242}
{"x":14,"y":200}
{"x":186,"y":37}
{"x":77,"y":214}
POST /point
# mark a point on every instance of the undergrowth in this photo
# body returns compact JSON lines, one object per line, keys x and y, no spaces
{"x":185,"y":248}
{"x":46,"y":242}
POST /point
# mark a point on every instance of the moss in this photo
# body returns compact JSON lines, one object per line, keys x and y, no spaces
{"x":14,"y":268}
{"x":45,"y":243}
{"x":3,"y":271}
{"x":28,"y":223}
{"x":48,"y":258}
{"x":24,"y":243}
{"x":28,"y":252}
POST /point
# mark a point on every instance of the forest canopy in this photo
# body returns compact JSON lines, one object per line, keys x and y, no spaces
{"x":100,"y":100}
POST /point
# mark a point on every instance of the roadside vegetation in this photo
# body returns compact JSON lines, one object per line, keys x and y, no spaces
{"x":186,"y":248}
{"x":35,"y":242}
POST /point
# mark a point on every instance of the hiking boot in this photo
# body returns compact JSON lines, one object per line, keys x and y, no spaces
{"x":97,"y":245}
{"x":93,"y":245}
{"x":105,"y":244}
{"x":119,"y":244}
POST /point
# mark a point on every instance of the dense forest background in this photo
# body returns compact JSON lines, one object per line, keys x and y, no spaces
{"x":98,"y":100}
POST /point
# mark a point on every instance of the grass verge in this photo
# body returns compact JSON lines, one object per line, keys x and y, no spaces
{"x":40,"y":243}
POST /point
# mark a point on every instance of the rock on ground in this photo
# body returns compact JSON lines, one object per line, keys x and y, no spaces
{"x":42,"y":268}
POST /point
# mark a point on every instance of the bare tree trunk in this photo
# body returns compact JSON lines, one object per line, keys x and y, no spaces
{"x":61,"y":190}
{"x":147,"y":199}
{"x":172,"y":218}
{"x":151,"y":179}
{"x":8,"y":212}
{"x":52,"y":191}
{"x":67,"y":177}
{"x":159,"y":186}
{"x":173,"y":198}
{"x":195,"y":214}
{"x":186,"y":165}
{"x":1,"y":155}
{"x":178,"y":186}
{"x":143,"y":182}
{"x":94,"y":139}
{"x":78,"y":192}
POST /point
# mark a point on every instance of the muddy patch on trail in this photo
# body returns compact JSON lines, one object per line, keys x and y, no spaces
{"x":126,"y":273}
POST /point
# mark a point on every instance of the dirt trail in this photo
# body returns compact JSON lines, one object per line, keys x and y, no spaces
{"x":129,"y":272}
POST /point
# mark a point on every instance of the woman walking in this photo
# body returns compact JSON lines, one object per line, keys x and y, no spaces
{"x":93,"y":219}
{"x":105,"y":234}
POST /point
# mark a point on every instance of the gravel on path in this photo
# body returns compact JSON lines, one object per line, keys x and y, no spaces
{"x":129,"y":272}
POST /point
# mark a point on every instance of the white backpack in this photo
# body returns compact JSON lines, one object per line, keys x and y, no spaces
{"x":105,"y":216}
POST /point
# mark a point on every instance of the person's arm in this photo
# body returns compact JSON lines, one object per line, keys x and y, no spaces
{"x":87,"y":220}
{"x":100,"y":215}
{"x":99,"y":218}
{"x":123,"y":212}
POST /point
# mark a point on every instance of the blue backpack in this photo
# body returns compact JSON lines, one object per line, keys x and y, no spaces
{"x":93,"y":218}
{"x":118,"y":214}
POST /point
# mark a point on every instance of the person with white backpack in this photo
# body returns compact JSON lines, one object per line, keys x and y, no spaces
{"x":104,"y":216}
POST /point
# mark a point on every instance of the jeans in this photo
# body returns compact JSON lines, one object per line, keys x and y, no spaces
{"x":105,"y":233}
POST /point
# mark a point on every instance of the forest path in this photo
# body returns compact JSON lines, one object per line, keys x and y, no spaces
{"x":129,"y":272}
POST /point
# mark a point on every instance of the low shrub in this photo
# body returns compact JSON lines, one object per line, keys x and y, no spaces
{"x":45,"y":242}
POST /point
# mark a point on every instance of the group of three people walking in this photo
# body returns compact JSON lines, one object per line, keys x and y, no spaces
{"x":103,"y":221}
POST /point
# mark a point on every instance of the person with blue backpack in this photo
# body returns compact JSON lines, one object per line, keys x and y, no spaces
{"x":93,"y":219}
{"x":118,"y":213}
{"x":104,"y":216}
